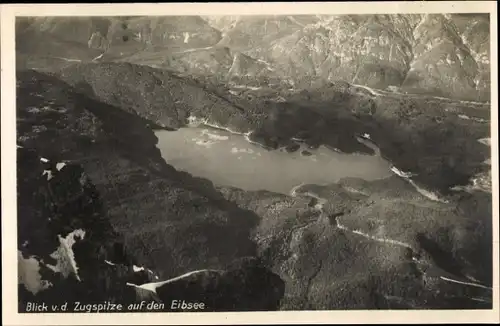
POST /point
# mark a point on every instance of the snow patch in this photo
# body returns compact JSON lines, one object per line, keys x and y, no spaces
{"x":44,"y":160}
{"x":293,"y":191}
{"x":426,"y":193}
{"x":372,"y":91}
{"x":68,"y":59}
{"x":253,"y":88}
{"x":60,"y":165}
{"x":137,"y":269}
{"x":153,"y":286}
{"x":485,"y":141}
{"x":98,"y":57}
{"x":368,"y":236}
{"x":48,"y":173}
{"x":65,"y":256}
{"x":29,"y":274}
{"x":109,"y":263}
{"x":33,"y":110}
{"x":401,"y":173}
{"x":465,"y":283}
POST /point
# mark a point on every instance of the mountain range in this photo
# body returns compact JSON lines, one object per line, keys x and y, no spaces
{"x":439,"y":54}
{"x":102,"y":216}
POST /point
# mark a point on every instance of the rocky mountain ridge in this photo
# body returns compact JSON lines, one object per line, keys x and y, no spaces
{"x":439,"y":54}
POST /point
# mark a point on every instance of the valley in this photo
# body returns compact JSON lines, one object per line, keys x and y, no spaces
{"x":164,"y":160}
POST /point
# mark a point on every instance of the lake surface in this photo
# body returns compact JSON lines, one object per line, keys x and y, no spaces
{"x":229,"y":159}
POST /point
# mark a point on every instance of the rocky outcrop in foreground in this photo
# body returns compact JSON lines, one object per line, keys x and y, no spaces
{"x":97,"y":204}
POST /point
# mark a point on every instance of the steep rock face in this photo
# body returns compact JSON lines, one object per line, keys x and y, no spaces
{"x":422,"y":53}
{"x":475,"y":33}
{"x":438,"y":54}
{"x":255,"y":32}
{"x":63,"y":225}
{"x":363,"y":49}
{"x":172,"y":33}
{"x":64,"y":237}
{"x":113,"y":185}
{"x":247,"y":68}
{"x":442,"y":63}
{"x":121,"y":36}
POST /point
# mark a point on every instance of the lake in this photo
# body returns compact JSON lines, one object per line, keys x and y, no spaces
{"x":229,"y":159}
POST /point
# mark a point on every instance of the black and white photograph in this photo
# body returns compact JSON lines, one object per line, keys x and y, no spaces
{"x":269,"y":162}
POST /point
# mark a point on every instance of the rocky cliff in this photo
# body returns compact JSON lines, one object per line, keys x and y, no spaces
{"x":440,"y":54}
{"x":97,"y":203}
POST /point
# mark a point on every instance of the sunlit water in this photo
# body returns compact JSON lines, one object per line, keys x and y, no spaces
{"x":229,"y":159}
